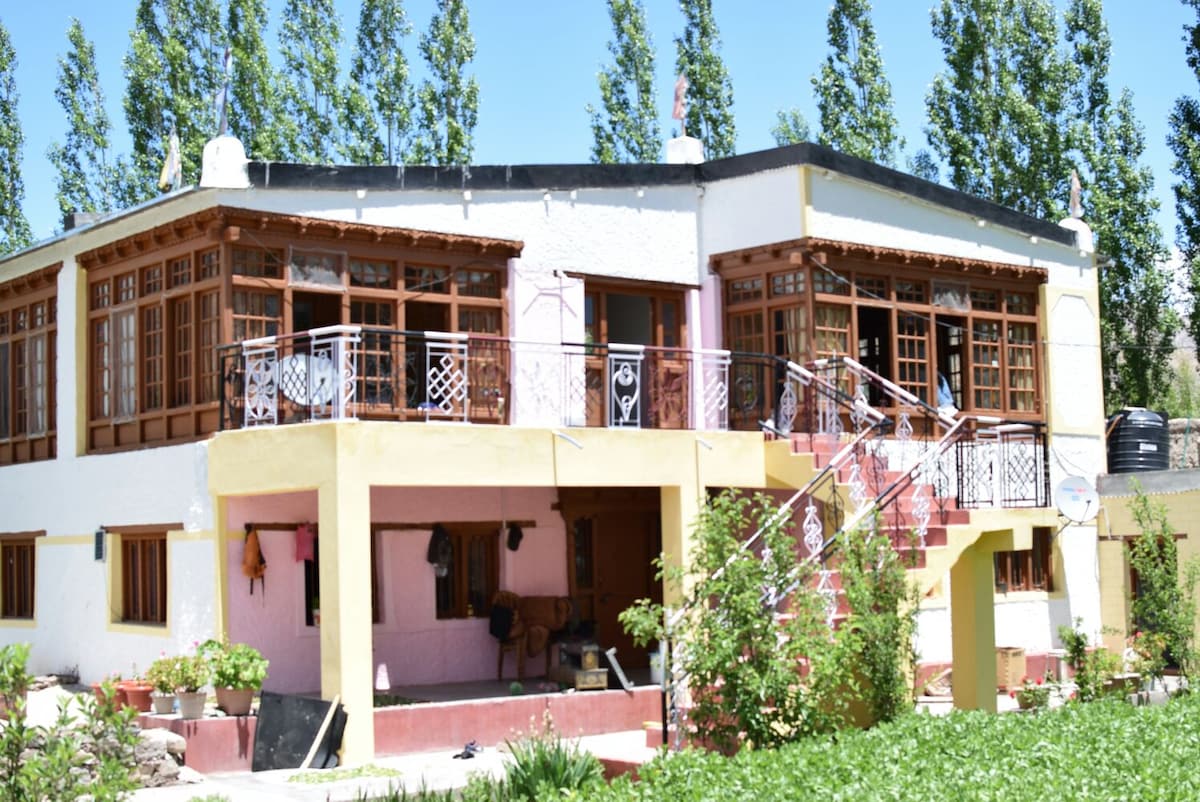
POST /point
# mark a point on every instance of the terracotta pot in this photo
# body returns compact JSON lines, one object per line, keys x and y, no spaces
{"x":137,"y":695}
{"x":191,"y":704}
{"x":162,"y":703}
{"x":235,"y":701}
{"x":117,"y":698}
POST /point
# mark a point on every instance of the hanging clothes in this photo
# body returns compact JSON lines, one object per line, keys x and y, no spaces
{"x":254,"y":565}
{"x":441,"y":550}
{"x":304,"y":542}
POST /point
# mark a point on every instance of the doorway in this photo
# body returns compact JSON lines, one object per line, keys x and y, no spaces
{"x":420,"y":317}
{"x":312,"y":310}
{"x":875,"y":347}
{"x":951,"y":356}
{"x":613,"y":537}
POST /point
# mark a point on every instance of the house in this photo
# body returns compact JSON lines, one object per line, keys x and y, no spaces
{"x":354,"y":355}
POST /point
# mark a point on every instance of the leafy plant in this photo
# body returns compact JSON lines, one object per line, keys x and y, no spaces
{"x":87,"y":753}
{"x":744,"y":662}
{"x":1033,"y":694}
{"x":544,"y":766}
{"x":237,"y":665}
{"x":161,"y":673}
{"x":14,"y":679}
{"x":877,"y":637}
{"x":1165,"y":601}
{"x":1093,"y":667}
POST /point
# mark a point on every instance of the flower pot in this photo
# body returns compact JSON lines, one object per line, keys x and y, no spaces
{"x":162,"y":703}
{"x":137,"y":695}
{"x":191,"y":704}
{"x":235,"y":701}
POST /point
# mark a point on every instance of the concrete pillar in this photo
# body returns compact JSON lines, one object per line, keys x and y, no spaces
{"x":680,"y":506}
{"x":346,"y":663}
{"x":973,"y":630}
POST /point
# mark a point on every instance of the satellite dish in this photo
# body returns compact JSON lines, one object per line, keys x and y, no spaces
{"x":1076,"y":499}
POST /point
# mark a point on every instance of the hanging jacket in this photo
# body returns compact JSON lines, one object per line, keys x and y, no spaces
{"x":254,"y":565}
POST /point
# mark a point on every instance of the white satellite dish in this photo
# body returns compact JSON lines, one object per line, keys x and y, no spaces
{"x":1076,"y":499}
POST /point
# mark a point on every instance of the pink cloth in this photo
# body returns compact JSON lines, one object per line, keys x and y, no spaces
{"x":304,"y":542}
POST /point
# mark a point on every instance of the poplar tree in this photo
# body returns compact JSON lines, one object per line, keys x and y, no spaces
{"x":380,"y":77}
{"x":854,"y":97}
{"x":1184,"y":140}
{"x":448,"y":102}
{"x":625,"y":128}
{"x":790,"y":127}
{"x":253,"y":104}
{"x":14,"y":228}
{"x":309,"y":39}
{"x":709,"y":115}
{"x":173,"y":71}
{"x":998,"y":115}
{"x":86,"y":171}
{"x":1138,"y":323}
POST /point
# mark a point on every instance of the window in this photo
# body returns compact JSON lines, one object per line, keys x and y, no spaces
{"x":16,"y":577}
{"x":467,"y":589}
{"x":27,"y":345}
{"x":1028,"y":569}
{"x":144,"y":578}
{"x":312,"y":580}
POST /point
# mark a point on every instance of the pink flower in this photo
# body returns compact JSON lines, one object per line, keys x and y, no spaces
{"x":1039,"y":682}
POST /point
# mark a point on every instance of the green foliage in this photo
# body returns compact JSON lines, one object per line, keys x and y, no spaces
{"x":343,"y":773}
{"x":544,"y":766}
{"x":790,"y":127}
{"x":254,"y":105}
{"x":309,"y":38}
{"x":237,"y":665}
{"x":998,"y":114}
{"x":1138,"y":322}
{"x":161,"y":673}
{"x":854,"y":97}
{"x":83,"y":754}
{"x":742,"y":661}
{"x":1184,"y":140}
{"x":709,"y":115}
{"x":877,"y":637}
{"x":15,"y":233}
{"x":1183,"y":392}
{"x":1108,"y":751}
{"x":86,"y":178}
{"x":1033,"y":694}
{"x":1093,"y":667}
{"x":625,"y":127}
{"x":447,"y":105}
{"x":173,"y":70}
{"x":380,"y":72}
{"x":1165,"y":602}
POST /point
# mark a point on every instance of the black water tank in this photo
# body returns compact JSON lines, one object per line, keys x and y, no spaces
{"x":1138,"y":440}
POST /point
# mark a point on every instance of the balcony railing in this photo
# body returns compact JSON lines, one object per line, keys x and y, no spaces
{"x":344,"y":372}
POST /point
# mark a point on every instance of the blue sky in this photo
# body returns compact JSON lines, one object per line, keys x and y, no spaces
{"x":537,"y":62}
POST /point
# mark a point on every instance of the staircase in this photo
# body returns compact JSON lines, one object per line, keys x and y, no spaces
{"x":922,"y":473}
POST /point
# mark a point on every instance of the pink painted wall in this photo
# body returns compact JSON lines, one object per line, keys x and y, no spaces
{"x":409,"y":641}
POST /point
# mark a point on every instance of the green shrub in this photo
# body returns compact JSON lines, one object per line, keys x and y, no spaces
{"x":237,"y":665}
{"x":14,"y":678}
{"x":543,"y":765}
{"x":1093,"y":667}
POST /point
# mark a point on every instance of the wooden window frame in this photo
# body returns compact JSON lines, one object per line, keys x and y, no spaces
{"x":859,"y":284}
{"x":144,"y":592}
{"x":1029,"y":569}
{"x":18,"y":575}
{"x":28,"y":339}
{"x":454,"y":602}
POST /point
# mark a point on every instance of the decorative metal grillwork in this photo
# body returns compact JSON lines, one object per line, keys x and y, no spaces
{"x":625,"y":386}
{"x":446,"y":376}
{"x":261,"y":399}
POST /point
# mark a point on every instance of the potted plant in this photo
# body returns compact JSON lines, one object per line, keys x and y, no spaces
{"x":191,"y":674}
{"x":238,"y":670}
{"x":137,"y":692}
{"x":161,"y":674}
{"x":1032,"y":694}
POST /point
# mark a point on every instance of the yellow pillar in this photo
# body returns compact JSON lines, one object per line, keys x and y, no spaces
{"x":973,"y":630}
{"x":679,"y":507}
{"x":346,"y":671}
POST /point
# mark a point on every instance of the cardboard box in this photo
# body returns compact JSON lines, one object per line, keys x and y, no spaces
{"x":591,"y":679}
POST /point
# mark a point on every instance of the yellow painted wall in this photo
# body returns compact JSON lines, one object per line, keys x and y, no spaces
{"x":1116,"y":521}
